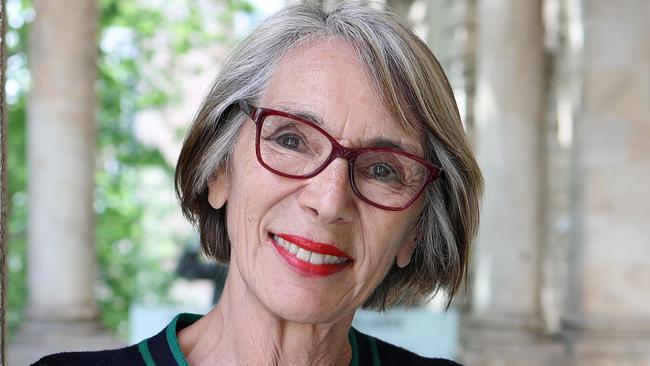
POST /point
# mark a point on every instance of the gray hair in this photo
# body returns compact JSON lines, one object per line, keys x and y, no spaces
{"x":413,"y":86}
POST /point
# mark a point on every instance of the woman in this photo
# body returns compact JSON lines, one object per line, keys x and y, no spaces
{"x":329,"y":168}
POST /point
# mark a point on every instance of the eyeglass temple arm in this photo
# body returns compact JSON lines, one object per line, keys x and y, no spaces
{"x":248,"y":109}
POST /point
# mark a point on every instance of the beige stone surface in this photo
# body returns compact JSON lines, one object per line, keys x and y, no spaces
{"x":508,"y":122}
{"x":618,"y":191}
{"x":614,"y":137}
{"x":638,"y":148}
{"x":61,"y":312}
{"x":606,"y":222}
{"x":61,"y":151}
{"x":610,"y":312}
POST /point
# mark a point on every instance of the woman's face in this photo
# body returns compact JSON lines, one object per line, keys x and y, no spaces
{"x":323,"y":79}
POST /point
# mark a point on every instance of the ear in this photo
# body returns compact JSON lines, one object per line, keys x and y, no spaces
{"x":218,"y":189}
{"x":406,"y":251}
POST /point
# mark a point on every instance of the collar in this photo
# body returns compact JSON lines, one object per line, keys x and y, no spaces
{"x":163,"y":349}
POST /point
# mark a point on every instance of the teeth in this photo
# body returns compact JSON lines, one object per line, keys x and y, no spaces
{"x":303,"y":255}
{"x":306,"y":255}
{"x":316,"y":258}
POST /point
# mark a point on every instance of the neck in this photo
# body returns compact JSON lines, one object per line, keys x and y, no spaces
{"x":241,"y":331}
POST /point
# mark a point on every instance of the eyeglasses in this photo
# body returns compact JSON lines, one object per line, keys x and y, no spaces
{"x":295,"y":148}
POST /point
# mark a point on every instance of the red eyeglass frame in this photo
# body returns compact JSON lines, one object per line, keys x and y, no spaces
{"x":258,"y":114}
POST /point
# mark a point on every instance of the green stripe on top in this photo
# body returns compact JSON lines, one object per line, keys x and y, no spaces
{"x":185,"y":318}
{"x":144,"y":352}
{"x":172,"y":338}
{"x":376,"y":361}
{"x":355,"y":349}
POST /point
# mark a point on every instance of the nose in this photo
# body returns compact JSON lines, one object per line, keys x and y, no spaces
{"x":328,"y":197}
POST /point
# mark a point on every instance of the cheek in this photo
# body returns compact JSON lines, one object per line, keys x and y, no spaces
{"x":251,"y":181}
{"x":254,"y":193}
{"x":241,"y":197}
{"x":384,"y":235}
{"x":385,"y":232}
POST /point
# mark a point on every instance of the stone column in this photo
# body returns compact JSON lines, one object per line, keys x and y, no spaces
{"x":608,"y":315}
{"x":61,"y":311}
{"x":503,"y":323}
{"x":61,"y":153}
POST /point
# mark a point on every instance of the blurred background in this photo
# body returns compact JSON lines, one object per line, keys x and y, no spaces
{"x":555,"y":95}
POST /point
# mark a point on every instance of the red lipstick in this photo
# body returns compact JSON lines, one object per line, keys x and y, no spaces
{"x":307,"y":268}
{"x":312,"y":246}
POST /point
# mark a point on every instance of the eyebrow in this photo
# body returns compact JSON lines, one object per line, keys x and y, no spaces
{"x":375,"y":142}
{"x":383,"y":142}
{"x":311,"y":117}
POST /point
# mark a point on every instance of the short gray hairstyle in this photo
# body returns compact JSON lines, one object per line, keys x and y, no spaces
{"x":413,"y":86}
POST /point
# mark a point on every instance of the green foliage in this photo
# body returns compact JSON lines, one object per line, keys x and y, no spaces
{"x":131,"y":78}
{"x":18,"y":76}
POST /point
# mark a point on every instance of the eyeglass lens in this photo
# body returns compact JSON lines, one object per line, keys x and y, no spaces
{"x":297,"y":149}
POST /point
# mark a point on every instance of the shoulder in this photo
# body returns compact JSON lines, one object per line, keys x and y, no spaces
{"x":121,"y":356}
{"x":390,"y":354}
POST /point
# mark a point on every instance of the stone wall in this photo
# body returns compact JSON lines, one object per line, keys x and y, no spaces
{"x":607,"y":317}
{"x":590,"y":279}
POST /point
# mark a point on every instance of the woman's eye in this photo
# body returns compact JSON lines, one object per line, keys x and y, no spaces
{"x":289,"y":141}
{"x":382,"y":171}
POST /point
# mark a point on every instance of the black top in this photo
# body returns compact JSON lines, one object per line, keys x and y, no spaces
{"x":163,"y":350}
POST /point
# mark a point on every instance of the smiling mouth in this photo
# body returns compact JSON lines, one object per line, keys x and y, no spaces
{"x":310,"y":257}
{"x":307,"y":255}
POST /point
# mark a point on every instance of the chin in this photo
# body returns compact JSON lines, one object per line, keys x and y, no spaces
{"x":303,"y":306}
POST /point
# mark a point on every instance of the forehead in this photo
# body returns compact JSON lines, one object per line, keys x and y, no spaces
{"x":325,"y":78}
